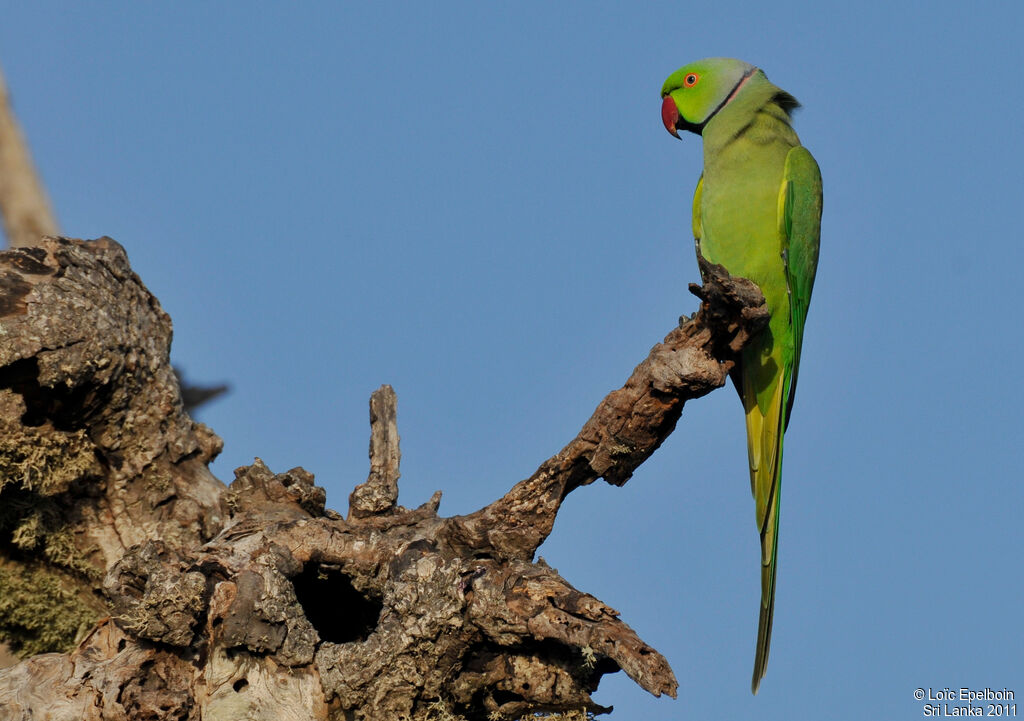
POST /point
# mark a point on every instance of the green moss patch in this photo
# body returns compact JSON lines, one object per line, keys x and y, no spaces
{"x":38,"y":614}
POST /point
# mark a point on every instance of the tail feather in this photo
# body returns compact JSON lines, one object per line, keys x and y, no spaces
{"x":764,"y":633}
{"x":764,"y":623}
{"x":765,"y":427}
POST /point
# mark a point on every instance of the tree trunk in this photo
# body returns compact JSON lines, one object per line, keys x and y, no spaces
{"x":143,"y":588}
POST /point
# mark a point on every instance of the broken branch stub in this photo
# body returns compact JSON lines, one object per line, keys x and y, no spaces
{"x":380,"y":492}
{"x":283,"y":607}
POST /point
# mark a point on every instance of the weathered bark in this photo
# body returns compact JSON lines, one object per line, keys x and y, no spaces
{"x":255,"y":600}
{"x":24,"y":207}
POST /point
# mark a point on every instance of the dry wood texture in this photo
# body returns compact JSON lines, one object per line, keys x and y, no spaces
{"x":161,"y":593}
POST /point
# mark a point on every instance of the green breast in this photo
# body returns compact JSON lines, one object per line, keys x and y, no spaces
{"x":739,"y":214}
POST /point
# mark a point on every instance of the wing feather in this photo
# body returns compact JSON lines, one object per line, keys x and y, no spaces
{"x":800,"y":228}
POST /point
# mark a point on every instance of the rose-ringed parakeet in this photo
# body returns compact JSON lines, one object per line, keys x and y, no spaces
{"x":756,"y":211}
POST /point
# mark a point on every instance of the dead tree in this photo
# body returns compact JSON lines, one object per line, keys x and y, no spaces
{"x":141,"y":587}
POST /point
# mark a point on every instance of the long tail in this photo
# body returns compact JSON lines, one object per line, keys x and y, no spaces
{"x":765,"y":430}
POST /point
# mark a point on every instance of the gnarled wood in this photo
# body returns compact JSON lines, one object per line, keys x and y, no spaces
{"x":255,"y":600}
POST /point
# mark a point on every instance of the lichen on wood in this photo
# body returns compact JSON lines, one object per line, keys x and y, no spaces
{"x":256,"y":599}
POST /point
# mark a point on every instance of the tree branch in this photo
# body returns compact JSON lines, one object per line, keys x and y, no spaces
{"x":24,"y":207}
{"x":630,"y":423}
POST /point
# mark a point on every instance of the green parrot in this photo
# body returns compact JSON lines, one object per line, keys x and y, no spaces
{"x":757,"y":212}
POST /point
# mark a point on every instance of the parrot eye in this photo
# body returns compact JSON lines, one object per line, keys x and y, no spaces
{"x":690,"y":80}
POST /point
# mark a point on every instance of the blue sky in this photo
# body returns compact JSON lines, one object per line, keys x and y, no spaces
{"x":477,"y":203}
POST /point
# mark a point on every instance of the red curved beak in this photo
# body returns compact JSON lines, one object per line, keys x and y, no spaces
{"x":670,"y":115}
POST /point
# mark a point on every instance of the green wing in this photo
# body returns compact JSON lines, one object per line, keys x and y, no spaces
{"x":698,"y":229}
{"x":799,"y":219}
{"x":799,"y":226}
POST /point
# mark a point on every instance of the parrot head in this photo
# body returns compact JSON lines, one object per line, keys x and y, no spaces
{"x":694,"y":93}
